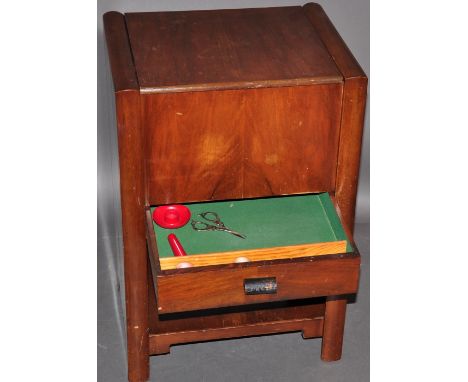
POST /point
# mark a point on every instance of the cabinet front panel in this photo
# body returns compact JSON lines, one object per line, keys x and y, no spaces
{"x":291,"y":140}
{"x":232,"y":144}
{"x":193,"y":146}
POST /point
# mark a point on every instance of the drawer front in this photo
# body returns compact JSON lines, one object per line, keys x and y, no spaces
{"x":240,"y":284}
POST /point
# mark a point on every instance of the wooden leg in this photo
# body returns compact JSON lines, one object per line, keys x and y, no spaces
{"x":136,"y":298}
{"x":136,"y":289}
{"x":133,"y":229}
{"x":333,"y":327}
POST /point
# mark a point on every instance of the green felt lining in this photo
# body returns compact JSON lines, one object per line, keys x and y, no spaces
{"x":267,"y":222}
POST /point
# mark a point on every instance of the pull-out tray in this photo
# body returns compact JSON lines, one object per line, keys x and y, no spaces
{"x":296,"y":245}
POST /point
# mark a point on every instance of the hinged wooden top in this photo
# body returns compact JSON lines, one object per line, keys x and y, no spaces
{"x":227,"y":49}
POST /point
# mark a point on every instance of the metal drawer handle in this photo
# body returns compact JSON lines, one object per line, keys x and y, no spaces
{"x":266,"y":285}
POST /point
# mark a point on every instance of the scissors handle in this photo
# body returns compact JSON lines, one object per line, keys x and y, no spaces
{"x":202,"y":226}
{"x":212,"y":217}
{"x":218,"y":225}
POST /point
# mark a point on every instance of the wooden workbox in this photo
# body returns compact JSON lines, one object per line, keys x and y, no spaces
{"x":231,"y":105}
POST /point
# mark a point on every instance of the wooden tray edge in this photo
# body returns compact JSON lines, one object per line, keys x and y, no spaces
{"x":272,"y":253}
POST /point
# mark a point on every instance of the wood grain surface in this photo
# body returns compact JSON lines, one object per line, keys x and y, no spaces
{"x":291,"y":140}
{"x":131,"y":154}
{"x":241,"y":143}
{"x":287,"y":316}
{"x":120,"y":53}
{"x":352,"y":124}
{"x":133,"y":227}
{"x":334,"y":43}
{"x":333,"y":328}
{"x":293,"y":124}
{"x":352,"y":120}
{"x":226,"y":49}
{"x":131,"y":182}
{"x":224,"y":286}
{"x":274,"y":253}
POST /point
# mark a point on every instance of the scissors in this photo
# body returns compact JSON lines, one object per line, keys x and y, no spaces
{"x":217,"y":226}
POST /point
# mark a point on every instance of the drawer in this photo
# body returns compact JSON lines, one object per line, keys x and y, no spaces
{"x":266,"y":280}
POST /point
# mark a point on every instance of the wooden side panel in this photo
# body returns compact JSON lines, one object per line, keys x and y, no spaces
{"x":241,"y":143}
{"x":132,"y":195}
{"x":354,"y":102}
{"x":133,"y":227}
{"x":352,"y":124}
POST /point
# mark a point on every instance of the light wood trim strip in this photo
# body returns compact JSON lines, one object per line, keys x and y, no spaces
{"x":273,"y":253}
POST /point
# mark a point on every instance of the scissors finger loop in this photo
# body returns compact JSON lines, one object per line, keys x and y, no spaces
{"x":202,"y":226}
{"x":211,"y":217}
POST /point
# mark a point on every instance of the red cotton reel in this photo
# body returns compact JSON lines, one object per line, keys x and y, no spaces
{"x":171,"y":216}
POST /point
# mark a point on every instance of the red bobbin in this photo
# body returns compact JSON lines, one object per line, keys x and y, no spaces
{"x":171,"y":216}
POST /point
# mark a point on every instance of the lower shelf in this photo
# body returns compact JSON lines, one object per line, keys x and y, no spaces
{"x":251,"y":320}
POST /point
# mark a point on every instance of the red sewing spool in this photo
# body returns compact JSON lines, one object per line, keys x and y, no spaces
{"x":171,"y":216}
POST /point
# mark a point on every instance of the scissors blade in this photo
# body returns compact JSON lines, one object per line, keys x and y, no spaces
{"x":236,"y":234}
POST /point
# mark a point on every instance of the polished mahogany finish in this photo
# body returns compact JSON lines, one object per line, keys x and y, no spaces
{"x":352,"y":115}
{"x":227,"y":49}
{"x":241,"y":321}
{"x":225,"y":144}
{"x":231,"y":104}
{"x":333,"y":327}
{"x":132,"y":195}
